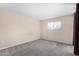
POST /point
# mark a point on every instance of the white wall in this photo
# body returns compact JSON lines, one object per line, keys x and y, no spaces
{"x":64,"y":35}
{"x":15,"y":29}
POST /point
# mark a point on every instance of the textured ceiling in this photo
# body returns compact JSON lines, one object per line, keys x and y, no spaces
{"x":41,"y":10}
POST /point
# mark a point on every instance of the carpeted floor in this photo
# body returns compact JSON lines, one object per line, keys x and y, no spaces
{"x":46,"y":48}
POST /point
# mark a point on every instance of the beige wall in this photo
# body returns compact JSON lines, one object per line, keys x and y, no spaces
{"x":65,"y":34}
{"x":16,"y":29}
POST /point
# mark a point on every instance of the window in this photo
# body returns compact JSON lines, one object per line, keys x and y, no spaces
{"x":54,"y":25}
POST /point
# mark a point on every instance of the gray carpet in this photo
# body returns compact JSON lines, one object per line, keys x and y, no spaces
{"x":46,"y":48}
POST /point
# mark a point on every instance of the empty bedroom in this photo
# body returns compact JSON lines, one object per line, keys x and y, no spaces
{"x":38,"y":29}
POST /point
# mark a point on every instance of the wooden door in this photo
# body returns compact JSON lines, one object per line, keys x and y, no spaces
{"x":76,"y":30}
